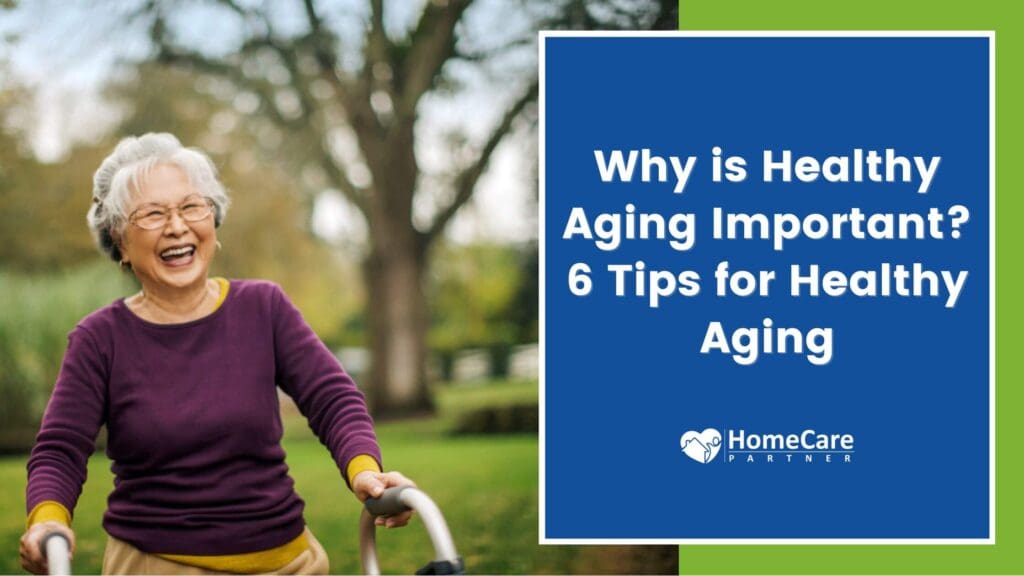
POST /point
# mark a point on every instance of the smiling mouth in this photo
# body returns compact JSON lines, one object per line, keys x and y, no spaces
{"x":178,"y":256}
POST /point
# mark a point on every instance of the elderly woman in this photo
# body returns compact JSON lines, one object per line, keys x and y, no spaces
{"x":185,"y":375}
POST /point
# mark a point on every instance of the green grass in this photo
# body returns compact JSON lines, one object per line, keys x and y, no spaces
{"x":485,"y":485}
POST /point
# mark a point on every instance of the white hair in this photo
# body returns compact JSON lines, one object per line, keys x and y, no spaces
{"x":122,"y":172}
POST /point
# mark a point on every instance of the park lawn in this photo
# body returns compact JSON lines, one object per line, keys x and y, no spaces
{"x":485,"y":485}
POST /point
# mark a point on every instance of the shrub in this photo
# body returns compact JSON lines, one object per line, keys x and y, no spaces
{"x":508,"y":419}
{"x":36,"y":314}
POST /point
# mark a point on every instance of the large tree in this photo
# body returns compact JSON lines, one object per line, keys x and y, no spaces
{"x":319,"y":84}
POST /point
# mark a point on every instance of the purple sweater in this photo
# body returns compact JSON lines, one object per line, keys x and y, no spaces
{"x":194,"y":429}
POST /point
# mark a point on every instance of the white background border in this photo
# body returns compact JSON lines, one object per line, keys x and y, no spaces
{"x":990,"y":35}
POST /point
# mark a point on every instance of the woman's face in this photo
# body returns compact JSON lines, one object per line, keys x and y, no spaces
{"x":177,"y":254}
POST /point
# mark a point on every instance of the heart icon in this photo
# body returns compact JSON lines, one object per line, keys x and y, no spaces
{"x":703,"y":446}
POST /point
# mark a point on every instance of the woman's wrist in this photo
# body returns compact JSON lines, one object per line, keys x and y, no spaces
{"x":48,"y":511}
{"x":361,"y":463}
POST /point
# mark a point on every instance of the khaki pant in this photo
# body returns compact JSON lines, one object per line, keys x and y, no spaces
{"x":123,"y":558}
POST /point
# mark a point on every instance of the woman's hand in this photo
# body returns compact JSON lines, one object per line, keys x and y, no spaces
{"x":33,"y":558}
{"x":369,"y":484}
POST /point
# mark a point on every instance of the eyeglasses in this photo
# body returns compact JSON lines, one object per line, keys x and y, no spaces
{"x":155,"y":216}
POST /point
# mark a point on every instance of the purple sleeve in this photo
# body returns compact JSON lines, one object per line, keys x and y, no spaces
{"x":323,"y":391}
{"x":67,"y":437}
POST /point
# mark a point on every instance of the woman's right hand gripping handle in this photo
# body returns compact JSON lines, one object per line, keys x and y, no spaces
{"x":33,"y":556}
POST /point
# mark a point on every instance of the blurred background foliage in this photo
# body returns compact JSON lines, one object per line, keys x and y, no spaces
{"x":273,"y":119}
{"x":51,"y":275}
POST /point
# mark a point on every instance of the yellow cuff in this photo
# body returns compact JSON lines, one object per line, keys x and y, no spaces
{"x":49,"y":511}
{"x":361,"y":463}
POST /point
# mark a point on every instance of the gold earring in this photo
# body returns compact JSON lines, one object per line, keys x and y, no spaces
{"x":219,"y":247}
{"x":125,"y":264}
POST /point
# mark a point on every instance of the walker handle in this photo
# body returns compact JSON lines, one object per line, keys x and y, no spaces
{"x":56,"y":548}
{"x":389,"y":503}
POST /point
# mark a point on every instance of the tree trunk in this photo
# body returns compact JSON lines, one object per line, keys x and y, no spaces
{"x":398,"y":330}
{"x":394,"y":274}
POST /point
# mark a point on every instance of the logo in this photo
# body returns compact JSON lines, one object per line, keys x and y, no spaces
{"x":807,"y":446}
{"x":703,"y":446}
